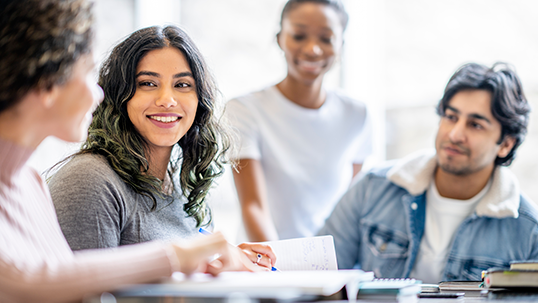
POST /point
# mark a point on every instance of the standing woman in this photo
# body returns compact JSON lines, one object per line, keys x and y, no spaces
{"x":48,"y":89}
{"x":301,"y":144}
{"x":158,"y":124}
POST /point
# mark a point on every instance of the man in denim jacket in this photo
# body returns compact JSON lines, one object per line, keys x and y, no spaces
{"x":449,"y":213}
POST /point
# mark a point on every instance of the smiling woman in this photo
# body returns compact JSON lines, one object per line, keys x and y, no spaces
{"x":157,"y":125}
{"x":301,"y":144}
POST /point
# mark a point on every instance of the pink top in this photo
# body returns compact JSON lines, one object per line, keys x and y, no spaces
{"x":36,"y":263}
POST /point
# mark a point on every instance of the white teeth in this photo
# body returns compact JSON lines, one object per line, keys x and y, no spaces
{"x":164,"y":119}
{"x":311,"y":64}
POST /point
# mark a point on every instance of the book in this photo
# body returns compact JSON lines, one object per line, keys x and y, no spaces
{"x":504,"y":277}
{"x":527,"y":265}
{"x":470,"y":288}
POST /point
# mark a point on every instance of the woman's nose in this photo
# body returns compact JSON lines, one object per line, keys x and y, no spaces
{"x":166,"y":99}
{"x":312,"y":48}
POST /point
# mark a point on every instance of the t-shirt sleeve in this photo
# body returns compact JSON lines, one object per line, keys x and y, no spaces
{"x":364,"y":145}
{"x":89,"y":203}
{"x":246,"y":129}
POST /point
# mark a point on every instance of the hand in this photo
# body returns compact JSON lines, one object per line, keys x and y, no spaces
{"x":195,"y":255}
{"x":234,"y":259}
{"x":259,"y":254}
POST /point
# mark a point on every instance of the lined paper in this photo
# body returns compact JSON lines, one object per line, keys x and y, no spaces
{"x":310,"y":253}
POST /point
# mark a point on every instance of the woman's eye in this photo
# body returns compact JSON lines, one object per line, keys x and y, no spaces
{"x":146,"y":83}
{"x":182,"y":84}
{"x":326,"y":40}
{"x":298,"y":37}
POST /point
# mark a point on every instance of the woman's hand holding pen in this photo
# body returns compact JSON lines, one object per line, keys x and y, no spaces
{"x":196,"y":256}
{"x":260,"y":254}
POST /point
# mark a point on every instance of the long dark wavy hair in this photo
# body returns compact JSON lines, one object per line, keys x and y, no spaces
{"x":112,"y":134}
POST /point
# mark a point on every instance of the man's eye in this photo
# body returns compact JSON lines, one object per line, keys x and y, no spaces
{"x":476,"y":125}
{"x":451,"y":117}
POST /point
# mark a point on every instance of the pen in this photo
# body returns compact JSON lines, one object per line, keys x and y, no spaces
{"x":205,"y":232}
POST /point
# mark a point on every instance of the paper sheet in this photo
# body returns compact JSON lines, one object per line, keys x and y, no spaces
{"x":310,"y":253}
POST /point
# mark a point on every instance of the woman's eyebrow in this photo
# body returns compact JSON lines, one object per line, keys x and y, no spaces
{"x":184,"y":74}
{"x":157,"y":75}
{"x":146,"y":73}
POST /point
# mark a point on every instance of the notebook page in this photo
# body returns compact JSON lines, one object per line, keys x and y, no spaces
{"x":310,"y":253}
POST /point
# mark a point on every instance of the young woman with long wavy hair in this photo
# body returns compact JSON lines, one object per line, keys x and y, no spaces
{"x":153,"y":150}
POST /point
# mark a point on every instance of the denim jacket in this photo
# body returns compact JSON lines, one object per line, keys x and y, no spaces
{"x":378,"y":224}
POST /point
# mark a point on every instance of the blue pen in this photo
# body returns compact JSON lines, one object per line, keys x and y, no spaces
{"x":205,"y":232}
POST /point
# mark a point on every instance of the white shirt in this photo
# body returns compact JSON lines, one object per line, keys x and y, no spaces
{"x":307,"y":155}
{"x":443,"y":217}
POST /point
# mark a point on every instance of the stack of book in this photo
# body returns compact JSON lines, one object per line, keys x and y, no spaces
{"x":518,"y":282}
{"x":469,"y":288}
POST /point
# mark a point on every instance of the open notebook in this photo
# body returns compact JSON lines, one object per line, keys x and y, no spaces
{"x":286,"y":285}
{"x":310,"y":253}
{"x":307,"y":268}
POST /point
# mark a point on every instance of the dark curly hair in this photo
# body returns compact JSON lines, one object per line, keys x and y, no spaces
{"x":40,"y":41}
{"x":113,"y":135}
{"x":508,"y":103}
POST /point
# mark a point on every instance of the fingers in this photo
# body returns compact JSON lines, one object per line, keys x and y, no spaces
{"x":194,"y":255}
{"x":252,"y":250}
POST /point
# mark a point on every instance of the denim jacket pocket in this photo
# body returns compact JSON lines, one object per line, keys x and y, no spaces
{"x":385,"y":242}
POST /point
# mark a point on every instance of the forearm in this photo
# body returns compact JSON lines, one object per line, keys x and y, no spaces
{"x":258,"y":223}
{"x":90,"y":272}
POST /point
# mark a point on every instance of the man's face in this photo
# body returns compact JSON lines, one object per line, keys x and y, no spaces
{"x":468,"y":134}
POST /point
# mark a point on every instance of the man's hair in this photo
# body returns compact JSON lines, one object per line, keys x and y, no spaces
{"x":334,"y":4}
{"x":508,"y":103}
{"x":40,"y":40}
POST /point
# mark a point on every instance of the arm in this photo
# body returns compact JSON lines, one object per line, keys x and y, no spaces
{"x":356,"y":169}
{"x":250,"y":185}
{"x":95,"y":271}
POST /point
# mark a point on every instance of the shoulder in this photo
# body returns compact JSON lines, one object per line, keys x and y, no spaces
{"x":528,"y":210}
{"x":86,"y":170}
{"x":348,"y":102}
{"x":375,"y":181}
{"x":254,"y":98}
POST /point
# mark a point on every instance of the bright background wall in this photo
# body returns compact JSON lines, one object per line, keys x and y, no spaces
{"x":398,"y":56}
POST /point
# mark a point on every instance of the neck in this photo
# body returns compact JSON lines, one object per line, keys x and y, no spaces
{"x":462,"y":187}
{"x":158,"y":159}
{"x":309,"y":95}
{"x":24,"y":124}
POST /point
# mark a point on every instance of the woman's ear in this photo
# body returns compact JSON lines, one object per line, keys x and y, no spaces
{"x":278,"y":40}
{"x":48,"y":97}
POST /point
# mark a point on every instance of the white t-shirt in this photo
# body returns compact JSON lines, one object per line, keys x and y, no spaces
{"x":306,"y":154}
{"x":443,"y":217}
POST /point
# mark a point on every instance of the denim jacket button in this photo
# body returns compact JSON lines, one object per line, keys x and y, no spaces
{"x":383,"y":247}
{"x":414,"y":206}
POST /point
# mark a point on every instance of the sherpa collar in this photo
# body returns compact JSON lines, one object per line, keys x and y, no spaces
{"x":414,"y":173}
